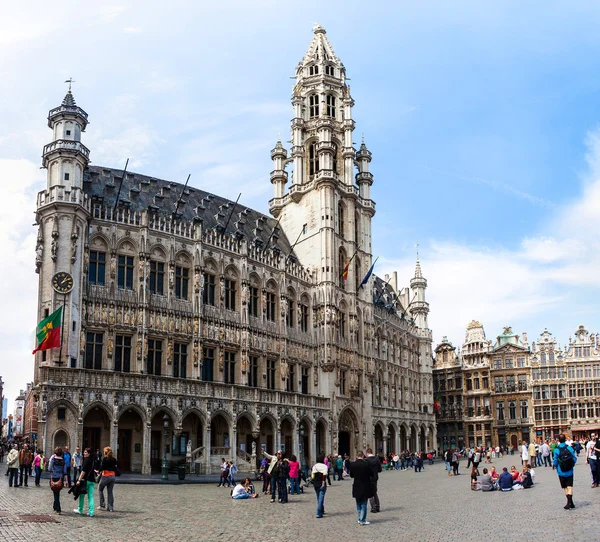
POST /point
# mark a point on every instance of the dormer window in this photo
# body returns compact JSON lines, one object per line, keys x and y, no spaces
{"x":329,"y":70}
{"x":313,"y":102}
{"x":66,"y":176}
{"x":313,"y":159}
{"x":313,"y":70}
{"x":68,"y":132}
{"x":330,"y":103}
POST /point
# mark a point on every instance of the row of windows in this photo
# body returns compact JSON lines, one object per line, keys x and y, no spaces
{"x":448,"y":384}
{"x":552,"y":412}
{"x":552,"y":391}
{"x":509,"y":383}
{"x":508,"y":363}
{"x":512,"y":410}
{"x":584,"y":389}
{"x":314,"y":70}
{"x":123,"y":353}
{"x":330,"y":105}
{"x":579,"y":371}
{"x":582,"y":351}
{"x":125,"y":267}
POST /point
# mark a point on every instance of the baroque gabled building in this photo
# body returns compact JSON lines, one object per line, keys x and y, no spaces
{"x":196,"y":322}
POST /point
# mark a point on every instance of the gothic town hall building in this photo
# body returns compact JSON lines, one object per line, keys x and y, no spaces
{"x":196,"y":322}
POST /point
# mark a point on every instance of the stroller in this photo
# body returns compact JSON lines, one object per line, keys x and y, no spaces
{"x":308,"y":482}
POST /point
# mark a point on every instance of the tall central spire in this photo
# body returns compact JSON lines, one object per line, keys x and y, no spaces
{"x":320,"y":49}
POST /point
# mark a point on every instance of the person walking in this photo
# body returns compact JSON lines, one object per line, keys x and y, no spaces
{"x":294,"y":475}
{"x":319,"y":480}
{"x":524,"y":453}
{"x":57,"y":469}
{"x":12,"y":463}
{"x":37,"y":465}
{"x":448,"y":460}
{"x":108,"y":469}
{"x":362,"y":488}
{"x":455,"y":460}
{"x":67,"y":458}
{"x":87,"y":479}
{"x":564,"y":461}
{"x":375,"y":465}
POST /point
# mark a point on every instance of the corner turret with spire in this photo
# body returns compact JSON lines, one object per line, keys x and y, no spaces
{"x":419,"y":308}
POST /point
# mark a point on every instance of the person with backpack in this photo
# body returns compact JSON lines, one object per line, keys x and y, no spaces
{"x":58,"y":471}
{"x":564,"y":461}
{"x":319,"y":480}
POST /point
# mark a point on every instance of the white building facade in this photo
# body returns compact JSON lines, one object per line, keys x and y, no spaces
{"x":197,"y":322}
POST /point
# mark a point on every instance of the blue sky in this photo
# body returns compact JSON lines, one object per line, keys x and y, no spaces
{"x":483,"y":119}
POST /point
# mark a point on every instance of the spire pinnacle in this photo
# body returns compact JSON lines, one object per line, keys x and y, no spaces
{"x":418,"y":272}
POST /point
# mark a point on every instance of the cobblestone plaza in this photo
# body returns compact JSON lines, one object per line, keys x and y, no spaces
{"x":427,"y":507}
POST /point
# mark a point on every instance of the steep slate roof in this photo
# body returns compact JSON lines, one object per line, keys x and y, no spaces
{"x":141,"y":193}
{"x":380,"y":288}
{"x":320,"y":48}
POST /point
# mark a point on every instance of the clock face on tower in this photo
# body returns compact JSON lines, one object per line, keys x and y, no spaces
{"x":62,"y":282}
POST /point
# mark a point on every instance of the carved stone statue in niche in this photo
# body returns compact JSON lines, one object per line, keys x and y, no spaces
{"x":140,"y":316}
{"x":196,"y":353}
{"x":39,"y":255}
{"x":110,"y":347}
{"x":245,"y":293}
{"x":82,"y":341}
{"x":170,"y":351}
{"x":54,"y":249}
{"x":171,"y":278}
{"x":104,"y":313}
{"x":113,"y":266}
{"x":284,"y":369}
{"x":111,"y":314}
{"x":139,"y":349}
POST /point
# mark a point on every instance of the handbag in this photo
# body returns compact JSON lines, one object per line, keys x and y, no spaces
{"x":56,"y":486}
{"x":117,"y":470}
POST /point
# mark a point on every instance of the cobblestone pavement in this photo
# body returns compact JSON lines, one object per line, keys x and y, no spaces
{"x":427,"y":506}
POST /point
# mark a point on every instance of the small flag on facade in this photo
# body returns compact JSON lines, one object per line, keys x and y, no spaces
{"x":48,"y":331}
{"x":345,"y":271}
{"x":368,"y":275}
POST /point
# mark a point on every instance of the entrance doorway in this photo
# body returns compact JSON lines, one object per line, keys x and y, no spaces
{"x":91,"y":438}
{"x":124,"y":448}
{"x":343,"y":443}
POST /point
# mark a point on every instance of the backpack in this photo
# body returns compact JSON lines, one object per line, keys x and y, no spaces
{"x":565,"y":459}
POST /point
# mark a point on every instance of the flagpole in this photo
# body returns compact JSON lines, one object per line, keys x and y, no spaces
{"x":350,"y":261}
{"x":62,"y":329}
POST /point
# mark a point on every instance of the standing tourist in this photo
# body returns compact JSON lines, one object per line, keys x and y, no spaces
{"x":37,"y":465}
{"x":524,"y":453}
{"x":264,"y":464}
{"x":283,"y":473}
{"x":87,"y":479}
{"x":455,"y":462}
{"x":109,"y":471}
{"x":76,"y":460}
{"x":545,"y":449}
{"x":448,"y":460}
{"x":319,"y":480}
{"x":57,"y":469}
{"x":362,"y":472}
{"x":375,"y":465}
{"x":294,"y":475}
{"x":564,"y":461}
{"x":25,"y":459}
{"x":12,"y":463}
{"x":532,"y":454}
{"x":67,"y":458}
{"x":273,"y":471}
{"x":592,"y":459}
{"x":476,"y":459}
{"x":339,"y":467}
{"x":224,"y":472}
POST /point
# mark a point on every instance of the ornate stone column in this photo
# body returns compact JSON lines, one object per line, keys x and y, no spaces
{"x":207,"y":451}
{"x":146,"y":466}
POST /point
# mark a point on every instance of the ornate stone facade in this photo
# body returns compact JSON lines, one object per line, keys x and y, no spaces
{"x":210,"y":323}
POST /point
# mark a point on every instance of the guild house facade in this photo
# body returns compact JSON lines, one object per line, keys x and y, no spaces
{"x":198,"y":326}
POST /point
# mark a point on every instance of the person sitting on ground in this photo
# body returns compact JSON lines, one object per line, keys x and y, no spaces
{"x":241,"y":492}
{"x":475,"y":485}
{"x":514,"y":473}
{"x":506,"y":480}
{"x":526,"y":480}
{"x":486,"y":482}
{"x":495,"y":475}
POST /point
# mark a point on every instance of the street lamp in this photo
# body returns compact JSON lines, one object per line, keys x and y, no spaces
{"x":165,"y":464}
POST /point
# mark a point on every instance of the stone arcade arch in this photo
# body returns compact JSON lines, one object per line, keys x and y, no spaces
{"x":320,"y":438}
{"x":266,"y":439}
{"x":305,"y":452}
{"x":378,"y":434}
{"x":287,"y":436}
{"x":403,"y":438}
{"x":392,"y":445}
{"x":244,"y":439}
{"x":96,"y":428}
{"x":159,"y":447}
{"x":413,"y":439}
{"x":348,"y":435}
{"x":61,"y":438}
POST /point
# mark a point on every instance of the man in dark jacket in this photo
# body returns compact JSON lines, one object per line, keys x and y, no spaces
{"x":375,"y":464}
{"x":362,"y":472}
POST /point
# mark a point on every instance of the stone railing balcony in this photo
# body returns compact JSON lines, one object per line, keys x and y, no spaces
{"x":109,"y":381}
{"x":66,"y":145}
{"x":60,"y":193}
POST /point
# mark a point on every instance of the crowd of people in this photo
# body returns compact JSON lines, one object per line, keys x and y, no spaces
{"x":80,"y":472}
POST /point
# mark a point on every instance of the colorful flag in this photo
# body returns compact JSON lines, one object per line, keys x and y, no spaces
{"x":345,"y":271}
{"x":368,"y":275}
{"x":48,"y":331}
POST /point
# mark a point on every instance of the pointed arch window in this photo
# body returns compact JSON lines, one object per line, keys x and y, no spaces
{"x":357,"y":277}
{"x":341,"y":267}
{"x":341,"y":219}
{"x":329,"y":70}
{"x":330,"y":105}
{"x":313,"y":159}
{"x":313,"y":103}
{"x":313,"y":70}
{"x":334,"y":161}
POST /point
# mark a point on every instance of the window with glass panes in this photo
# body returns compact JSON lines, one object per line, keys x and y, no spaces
{"x":253,"y":302}
{"x":208,"y":364}
{"x":180,"y":352}
{"x":97,"y":267}
{"x":230,"y":286}
{"x":291,"y":381}
{"x":305,"y":379}
{"x":208,"y":295}
{"x":229,"y":367}
{"x":342,"y":382}
{"x":520,"y":362}
{"x":271,"y":374}
{"x":253,"y":371}
{"x":342,"y":325}
{"x":93,"y":351}
{"x":181,"y":282}
{"x":154,"y":361}
{"x":289,"y":315}
{"x":304,"y":318}
{"x":270,"y":306}
{"x":508,"y":363}
{"x":157,"y":277}
{"x":500,"y":410}
{"x":125,"y":272}
{"x":123,"y":353}
{"x":524,"y":409}
{"x":330,"y":105}
{"x":522,"y":382}
{"x":512,"y":410}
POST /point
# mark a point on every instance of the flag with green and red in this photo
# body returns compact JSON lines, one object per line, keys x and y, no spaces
{"x":48,"y":331}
